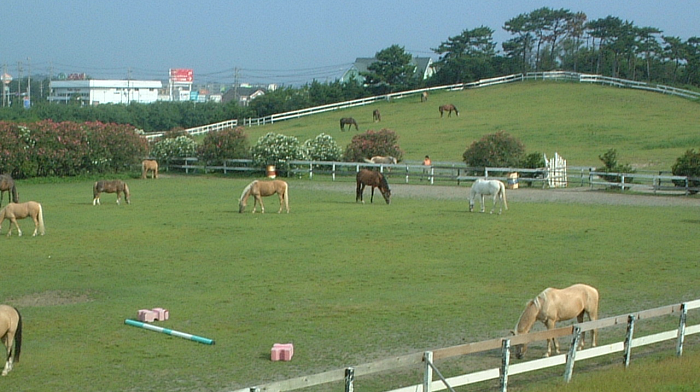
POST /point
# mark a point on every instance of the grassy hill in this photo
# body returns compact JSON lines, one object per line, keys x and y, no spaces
{"x":579,"y":121}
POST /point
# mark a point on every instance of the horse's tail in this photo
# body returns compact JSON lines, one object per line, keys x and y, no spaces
{"x":18,"y":337}
{"x":244,"y":196}
{"x":15,"y":195}
{"x":286,"y":196}
{"x":502,"y":190}
{"x":42,"y":229}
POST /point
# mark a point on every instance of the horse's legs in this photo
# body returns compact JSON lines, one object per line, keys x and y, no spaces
{"x":360,"y":192}
{"x":9,"y":231}
{"x":36,"y":224}
{"x":550,"y":324}
{"x":371,"y":199}
{"x":483,"y":207}
{"x":8,"y":340}
{"x":281,"y":202}
{"x":258,"y":199}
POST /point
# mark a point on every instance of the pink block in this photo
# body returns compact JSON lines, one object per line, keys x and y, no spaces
{"x":147,"y":315}
{"x":282,"y":352}
{"x":161,"y":314}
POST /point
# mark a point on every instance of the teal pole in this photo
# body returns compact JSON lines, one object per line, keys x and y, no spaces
{"x":167,"y":331}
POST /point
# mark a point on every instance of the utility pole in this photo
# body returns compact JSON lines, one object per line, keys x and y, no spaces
{"x":29,"y":82}
{"x":235,"y":86}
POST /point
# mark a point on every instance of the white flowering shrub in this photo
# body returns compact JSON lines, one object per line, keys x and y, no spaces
{"x":322,"y":148}
{"x":274,"y":148}
{"x":179,"y":147}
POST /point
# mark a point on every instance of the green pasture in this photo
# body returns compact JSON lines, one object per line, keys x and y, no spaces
{"x":346,"y":283}
{"x":579,"y":121}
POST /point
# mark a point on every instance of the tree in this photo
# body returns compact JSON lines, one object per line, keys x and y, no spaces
{"x":218,"y":146}
{"x":688,"y":165}
{"x":392,"y":71}
{"x":273,"y":148}
{"x":499,"y":149}
{"x":366,"y":145}
{"x":466,"y":57}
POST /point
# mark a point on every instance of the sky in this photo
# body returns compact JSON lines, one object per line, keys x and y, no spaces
{"x":274,"y":41}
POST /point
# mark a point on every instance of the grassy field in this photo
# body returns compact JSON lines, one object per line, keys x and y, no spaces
{"x":346,"y":283}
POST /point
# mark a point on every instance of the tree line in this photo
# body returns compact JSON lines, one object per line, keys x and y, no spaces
{"x":542,"y":40}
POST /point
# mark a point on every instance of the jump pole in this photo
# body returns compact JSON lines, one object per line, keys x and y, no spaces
{"x":167,"y":331}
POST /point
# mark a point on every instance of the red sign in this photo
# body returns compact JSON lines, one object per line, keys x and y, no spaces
{"x":181,"y":75}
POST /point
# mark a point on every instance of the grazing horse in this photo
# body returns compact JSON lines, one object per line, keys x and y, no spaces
{"x":7,"y":184}
{"x":554,"y":305}
{"x":374,"y":179}
{"x":482,"y":187}
{"x":424,"y":96}
{"x":349,"y":121}
{"x":11,"y":335}
{"x":14,"y":211}
{"x":149,"y":165}
{"x":116,"y":186}
{"x":388,"y":160}
{"x":449,"y":108}
{"x":258,"y":189}
{"x":376,"y":116}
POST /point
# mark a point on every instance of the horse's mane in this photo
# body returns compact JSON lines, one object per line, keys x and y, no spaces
{"x":383,"y":180}
{"x":246,"y":190}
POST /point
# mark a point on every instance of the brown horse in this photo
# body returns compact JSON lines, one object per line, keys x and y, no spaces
{"x":116,"y":186}
{"x":449,"y":108}
{"x":7,"y":184}
{"x":374,"y":179}
{"x":149,"y":165}
{"x":554,"y":305}
{"x":349,"y":121}
{"x":258,"y":189}
{"x":424,"y":96}
{"x":11,"y":335}
{"x":14,"y":211}
{"x":376,"y":116}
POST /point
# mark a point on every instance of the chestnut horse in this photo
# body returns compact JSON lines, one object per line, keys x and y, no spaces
{"x":258,"y":189}
{"x":11,"y":335}
{"x":149,"y":165}
{"x":553,"y":305}
{"x":449,"y":108}
{"x":349,"y":121}
{"x":14,"y":211}
{"x":376,"y":116}
{"x":7,"y":184}
{"x":116,"y":186}
{"x":374,"y":179}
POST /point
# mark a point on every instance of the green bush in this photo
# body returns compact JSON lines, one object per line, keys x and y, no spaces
{"x":499,"y":149}
{"x":178,"y":147}
{"x":272,"y":149}
{"x":372,"y":143}
{"x":687,"y":165}
{"x":610,"y":165}
{"x":231,"y":143}
{"x":322,"y":148}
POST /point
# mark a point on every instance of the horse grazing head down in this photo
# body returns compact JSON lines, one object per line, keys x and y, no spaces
{"x":374,"y":179}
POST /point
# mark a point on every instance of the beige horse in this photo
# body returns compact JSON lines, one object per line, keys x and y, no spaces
{"x":387,"y":160}
{"x":258,"y":189}
{"x":11,"y":334}
{"x":14,"y":211}
{"x":149,"y":165}
{"x":116,"y":186}
{"x":424,"y":96}
{"x":553,"y":305}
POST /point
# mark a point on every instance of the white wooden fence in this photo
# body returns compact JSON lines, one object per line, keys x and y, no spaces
{"x":428,"y":360}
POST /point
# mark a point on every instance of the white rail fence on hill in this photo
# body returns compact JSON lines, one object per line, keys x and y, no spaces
{"x":553,"y":75}
{"x":427,"y":360}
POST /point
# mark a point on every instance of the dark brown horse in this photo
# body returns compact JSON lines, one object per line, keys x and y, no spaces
{"x":376,"y":116}
{"x":449,"y":108}
{"x":349,"y":121}
{"x":7,"y":184}
{"x":116,"y":186}
{"x":374,"y":179}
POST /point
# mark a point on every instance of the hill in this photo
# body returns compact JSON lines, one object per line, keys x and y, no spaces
{"x":579,"y":121}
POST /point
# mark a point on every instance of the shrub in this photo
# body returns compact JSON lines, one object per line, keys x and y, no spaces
{"x":273,"y":148}
{"x":534,"y":160}
{"x":687,"y":165}
{"x":371,"y":143}
{"x":179,"y":147}
{"x":610,"y":165}
{"x":231,"y":143}
{"x":499,"y":149}
{"x":322,"y":148}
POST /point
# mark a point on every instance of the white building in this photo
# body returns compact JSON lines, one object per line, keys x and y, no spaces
{"x":94,"y":92}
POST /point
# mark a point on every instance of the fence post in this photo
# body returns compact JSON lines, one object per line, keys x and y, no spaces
{"x":628,"y":340}
{"x":505,"y":362}
{"x":333,"y":175}
{"x":349,"y":379}
{"x":681,"y":330}
{"x":428,"y":374}
{"x":571,"y":358}
{"x":311,"y":171}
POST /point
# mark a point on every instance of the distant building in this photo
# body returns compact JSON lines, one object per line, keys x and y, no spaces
{"x":245,"y":93}
{"x":95,"y":92}
{"x":424,"y":68}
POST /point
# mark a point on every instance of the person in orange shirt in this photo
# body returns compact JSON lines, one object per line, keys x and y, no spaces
{"x":426,"y":162}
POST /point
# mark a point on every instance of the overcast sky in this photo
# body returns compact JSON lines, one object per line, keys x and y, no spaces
{"x":274,"y":41}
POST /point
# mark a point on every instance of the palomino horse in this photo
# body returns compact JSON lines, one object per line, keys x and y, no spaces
{"x":374,"y":179}
{"x":11,"y":335}
{"x":424,"y":96}
{"x":482,"y":187}
{"x":449,"y":108}
{"x":149,"y":165}
{"x":554,"y":305}
{"x":258,"y":189}
{"x":115,"y":186}
{"x":387,"y":160}
{"x":376,"y":116}
{"x":7,"y":184}
{"x":14,"y":211}
{"x":349,"y":121}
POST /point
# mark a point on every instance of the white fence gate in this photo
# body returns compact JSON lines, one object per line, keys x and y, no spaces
{"x":556,"y":171}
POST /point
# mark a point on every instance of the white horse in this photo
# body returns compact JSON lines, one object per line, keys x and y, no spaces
{"x":493,"y":188}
